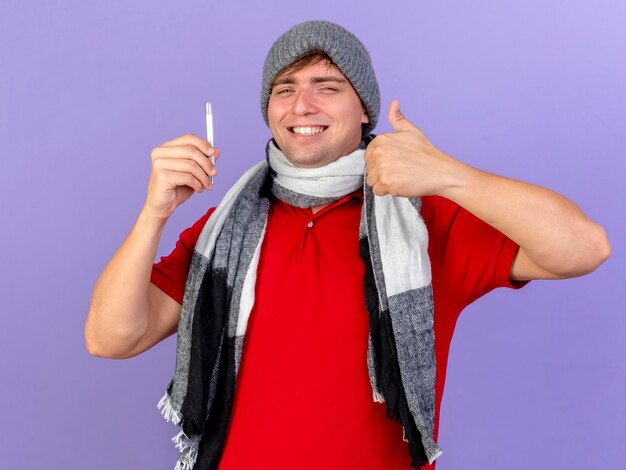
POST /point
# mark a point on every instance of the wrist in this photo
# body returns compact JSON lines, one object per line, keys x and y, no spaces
{"x":457,"y":178}
{"x":149,"y":221}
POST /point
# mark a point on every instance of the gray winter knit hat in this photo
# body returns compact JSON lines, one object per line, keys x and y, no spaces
{"x":345,"y":50}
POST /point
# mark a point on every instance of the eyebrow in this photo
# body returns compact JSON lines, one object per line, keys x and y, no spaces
{"x":289,"y":80}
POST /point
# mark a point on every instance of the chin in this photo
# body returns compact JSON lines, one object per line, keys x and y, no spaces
{"x":307,"y":161}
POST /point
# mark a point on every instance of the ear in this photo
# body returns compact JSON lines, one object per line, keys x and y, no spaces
{"x":365,"y":119}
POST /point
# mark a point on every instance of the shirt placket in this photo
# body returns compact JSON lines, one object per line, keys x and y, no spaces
{"x":309,"y":224}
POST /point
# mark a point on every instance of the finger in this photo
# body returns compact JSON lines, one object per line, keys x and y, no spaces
{"x":367,"y":155}
{"x":372,"y":150}
{"x":191,"y":139}
{"x":379,"y":190}
{"x":397,"y":119}
{"x":184,"y":179}
{"x":185,"y":152}
{"x":372,"y":178}
{"x":183,"y":166}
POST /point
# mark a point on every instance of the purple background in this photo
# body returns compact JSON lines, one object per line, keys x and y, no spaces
{"x":531,"y":89}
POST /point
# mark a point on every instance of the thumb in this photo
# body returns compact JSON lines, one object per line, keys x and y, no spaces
{"x":397,"y":119}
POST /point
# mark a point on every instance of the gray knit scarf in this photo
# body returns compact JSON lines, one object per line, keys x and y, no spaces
{"x":219,"y":296}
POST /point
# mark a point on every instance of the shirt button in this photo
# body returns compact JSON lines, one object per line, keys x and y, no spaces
{"x":310,"y":224}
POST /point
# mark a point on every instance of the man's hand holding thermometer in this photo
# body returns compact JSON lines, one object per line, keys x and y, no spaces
{"x":179,"y":167}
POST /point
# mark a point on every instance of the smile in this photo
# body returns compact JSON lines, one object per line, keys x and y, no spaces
{"x":308,"y":130}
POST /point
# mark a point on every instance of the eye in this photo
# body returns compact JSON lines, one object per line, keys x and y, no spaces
{"x":283,"y":91}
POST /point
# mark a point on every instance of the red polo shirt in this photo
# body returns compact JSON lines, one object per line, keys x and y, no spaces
{"x":303,"y":398}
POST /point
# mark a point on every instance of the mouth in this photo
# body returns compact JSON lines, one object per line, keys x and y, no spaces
{"x":309,"y":130}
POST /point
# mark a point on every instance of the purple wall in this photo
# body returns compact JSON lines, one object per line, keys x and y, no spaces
{"x":531,"y":89}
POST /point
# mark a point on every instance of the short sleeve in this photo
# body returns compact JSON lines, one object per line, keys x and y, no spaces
{"x":170,"y":273}
{"x":468,"y":256}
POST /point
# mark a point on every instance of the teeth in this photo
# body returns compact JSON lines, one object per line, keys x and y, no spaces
{"x":307,"y":130}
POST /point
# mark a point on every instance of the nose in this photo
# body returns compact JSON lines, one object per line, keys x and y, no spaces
{"x":304,"y":103}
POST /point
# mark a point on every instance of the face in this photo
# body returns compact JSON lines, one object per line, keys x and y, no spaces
{"x":315,"y":115}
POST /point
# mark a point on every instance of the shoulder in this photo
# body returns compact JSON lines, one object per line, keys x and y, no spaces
{"x":190,"y":235}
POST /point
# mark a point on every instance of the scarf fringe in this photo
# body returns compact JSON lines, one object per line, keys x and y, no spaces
{"x":166,"y":407}
{"x":435,"y":456}
{"x":184,"y":443}
{"x":188,"y":447}
{"x":187,"y":461}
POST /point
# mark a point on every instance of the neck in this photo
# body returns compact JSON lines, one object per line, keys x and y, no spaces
{"x":316,"y":209}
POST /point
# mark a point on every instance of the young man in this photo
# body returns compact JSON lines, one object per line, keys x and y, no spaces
{"x":307,"y":296}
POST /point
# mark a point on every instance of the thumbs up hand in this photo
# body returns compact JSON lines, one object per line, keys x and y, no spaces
{"x":404,"y":163}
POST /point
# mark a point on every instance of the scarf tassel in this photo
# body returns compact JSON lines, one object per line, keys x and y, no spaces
{"x":187,"y":460}
{"x":188,"y":447}
{"x":166,"y":407}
